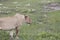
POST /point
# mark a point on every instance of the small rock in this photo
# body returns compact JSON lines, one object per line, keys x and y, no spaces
{"x":5,"y":7}
{"x":15,"y":2}
{"x":45,"y":15}
{"x":40,"y":22}
{"x":0,"y":11}
{"x":48,"y":1}
{"x":1,"y":4}
{"x":28,"y":4}
{"x":33,"y":9}
{"x":17,"y":7}
{"x":29,"y":10}
{"x":0,"y":7}
{"x":7,"y":11}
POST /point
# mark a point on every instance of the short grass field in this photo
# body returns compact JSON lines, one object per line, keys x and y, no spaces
{"x":45,"y":25}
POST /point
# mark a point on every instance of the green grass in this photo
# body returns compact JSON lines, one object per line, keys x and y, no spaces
{"x":42,"y":28}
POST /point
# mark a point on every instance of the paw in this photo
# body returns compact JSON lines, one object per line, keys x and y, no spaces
{"x":17,"y":38}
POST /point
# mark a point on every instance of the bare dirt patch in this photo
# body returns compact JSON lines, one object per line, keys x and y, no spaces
{"x":54,"y":6}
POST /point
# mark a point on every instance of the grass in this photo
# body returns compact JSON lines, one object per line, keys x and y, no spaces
{"x":42,"y":27}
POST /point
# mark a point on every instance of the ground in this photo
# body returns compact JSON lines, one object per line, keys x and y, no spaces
{"x":45,"y":24}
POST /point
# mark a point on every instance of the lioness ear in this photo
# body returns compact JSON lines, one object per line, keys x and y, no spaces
{"x":26,"y":17}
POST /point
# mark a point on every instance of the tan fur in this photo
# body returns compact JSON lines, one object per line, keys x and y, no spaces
{"x":8,"y":23}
